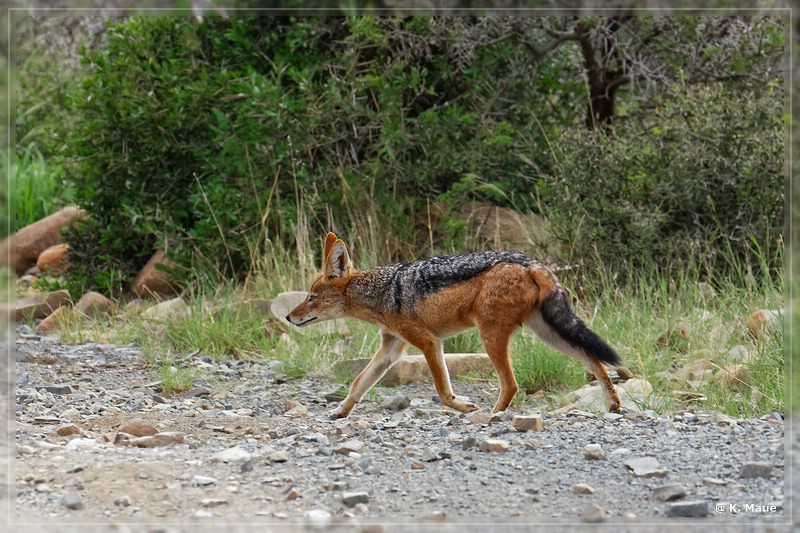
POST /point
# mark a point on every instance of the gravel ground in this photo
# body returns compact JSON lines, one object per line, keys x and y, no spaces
{"x":250,"y":446}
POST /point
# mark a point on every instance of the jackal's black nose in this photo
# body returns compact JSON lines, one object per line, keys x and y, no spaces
{"x":287,"y":318}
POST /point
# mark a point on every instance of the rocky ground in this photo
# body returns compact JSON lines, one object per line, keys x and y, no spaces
{"x":97,"y":441}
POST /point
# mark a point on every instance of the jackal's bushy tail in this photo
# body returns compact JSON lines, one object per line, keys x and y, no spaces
{"x":558,"y":314}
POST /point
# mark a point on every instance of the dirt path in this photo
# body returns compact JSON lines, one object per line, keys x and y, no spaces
{"x":248,"y":446}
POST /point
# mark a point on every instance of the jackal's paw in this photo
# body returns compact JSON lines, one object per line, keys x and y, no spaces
{"x":339,"y":412}
{"x":464,"y":407}
{"x":471,"y":407}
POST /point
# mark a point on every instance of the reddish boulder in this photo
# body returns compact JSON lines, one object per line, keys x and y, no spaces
{"x":152,"y":281}
{"x":21,"y":250}
{"x":138,"y":428}
{"x":94,"y":305}
{"x":57,"y":319}
{"x":39,"y":306}
{"x":53,"y":260}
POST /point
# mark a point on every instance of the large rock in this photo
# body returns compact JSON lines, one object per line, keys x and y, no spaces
{"x":94,"y":305}
{"x":152,"y":281}
{"x":174,"y":309}
{"x":501,"y":228}
{"x":21,"y":250}
{"x":492,"y":227}
{"x":284,"y":302}
{"x":53,"y":260}
{"x":39,"y":306}
{"x":764,"y":322}
{"x":414,"y":368}
{"x":61,"y":317}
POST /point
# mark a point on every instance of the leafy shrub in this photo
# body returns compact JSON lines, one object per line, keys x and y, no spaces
{"x":697,"y":181}
{"x":210,"y":138}
{"x":218,"y":139}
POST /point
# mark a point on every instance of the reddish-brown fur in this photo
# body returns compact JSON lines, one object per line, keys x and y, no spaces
{"x":497,"y":302}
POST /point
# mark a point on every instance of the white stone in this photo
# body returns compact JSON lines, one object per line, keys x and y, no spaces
{"x":645,"y":467}
{"x":493,"y":445}
{"x":593,"y":452}
{"x":203,"y":480}
{"x":76,"y":444}
{"x":582,"y":488}
{"x":174,"y":309}
{"x":70,"y":414}
{"x":232,"y":455}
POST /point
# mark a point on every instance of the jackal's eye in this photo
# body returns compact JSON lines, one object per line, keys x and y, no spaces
{"x":312,"y":297}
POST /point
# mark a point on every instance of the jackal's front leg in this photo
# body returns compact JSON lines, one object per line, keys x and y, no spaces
{"x":391,"y":350}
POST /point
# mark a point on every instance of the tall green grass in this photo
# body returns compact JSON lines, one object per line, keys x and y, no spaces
{"x":5,"y":200}
{"x":792,"y":338}
{"x":35,"y":188}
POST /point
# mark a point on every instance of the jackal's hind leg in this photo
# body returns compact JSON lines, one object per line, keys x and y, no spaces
{"x":495,"y":339}
{"x":593,"y":364}
{"x":609,"y":391}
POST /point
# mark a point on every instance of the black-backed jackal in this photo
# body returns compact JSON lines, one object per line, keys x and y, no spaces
{"x":426,"y":301}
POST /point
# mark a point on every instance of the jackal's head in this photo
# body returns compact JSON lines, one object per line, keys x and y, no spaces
{"x":326,"y":299}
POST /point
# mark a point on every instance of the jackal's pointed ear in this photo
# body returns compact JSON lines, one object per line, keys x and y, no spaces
{"x":337,"y":264}
{"x":330,"y":238}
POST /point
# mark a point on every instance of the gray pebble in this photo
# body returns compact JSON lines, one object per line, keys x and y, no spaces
{"x":593,"y":514}
{"x":670,"y":492}
{"x":689,"y":509}
{"x":72,"y":500}
{"x":397,"y":402}
{"x":645,"y":467}
{"x":751,"y":470}
{"x":61,"y":389}
{"x":350,"y":499}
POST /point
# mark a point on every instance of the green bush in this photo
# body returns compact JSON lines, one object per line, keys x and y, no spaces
{"x":696,"y":181}
{"x":206,"y":138}
{"x":218,"y":139}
